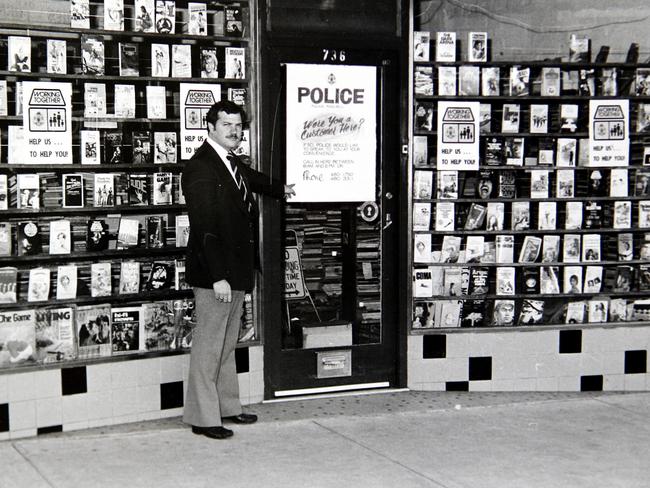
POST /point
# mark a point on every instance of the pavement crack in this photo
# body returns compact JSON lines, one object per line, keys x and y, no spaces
{"x":625,"y":409}
{"x":34,"y":467}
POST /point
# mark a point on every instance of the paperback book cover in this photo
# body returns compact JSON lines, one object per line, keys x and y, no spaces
{"x":113,"y":147}
{"x":54,"y":330}
{"x":643,"y":117}
{"x":181,"y":61}
{"x":6,"y":247}
{"x":17,"y":334}
{"x":114,"y":15}
{"x":587,"y":85}
{"x":57,"y":56}
{"x":38,"y":288}
{"x":530,"y":280}
{"x":507,"y":184}
{"x":4,"y":192}
{"x":550,"y":249}
{"x":450,"y":251}
{"x":127,"y":330}
{"x":485,"y":113}
{"x":421,"y":49}
{"x":505,"y":246}
{"x":452,"y":284}
{"x":198,"y":19}
{"x":494,"y":151}
{"x":505,"y":280}
{"x":477,"y":47}
{"x":141,"y":147}
{"x":618,"y":182}
{"x":100,"y":279}
{"x":573,"y":215}
{"x":519,"y":81}
{"x":514,"y":151}
{"x":179,"y":275}
{"x":445,"y":216}
{"x":447,"y":184}
{"x":473,"y":313}
{"x":92,"y":55}
{"x":568,"y":117}
{"x":538,"y":119}
{"x":597,"y":310}
{"x":622,"y":215}
{"x":29,"y":191}
{"x":420,"y":151}
{"x":66,"y":282}
{"x":550,"y":82}
{"x":609,"y":82}
{"x":234,"y":24}
{"x":158,"y":326}
{"x":156,"y":102}
{"x":572,"y":280}
{"x":564,"y":183}
{"x":129,"y":59}
{"x":166,"y":16}
{"x":575,"y":313}
{"x":449,"y":315}
{"x":593,"y":279}
{"x":445,"y":47}
{"x":209,"y":62}
{"x":479,"y":283}
{"x":28,"y":238}
{"x":144,"y":13}
{"x":94,"y":100}
{"x":138,"y":189}
{"x":531,"y":313}
{"x":548,"y":282}
{"x":423,"y":184}
{"x":423,"y":81}
{"x":520,"y":216}
{"x":591,"y":247}
{"x":422,"y":283}
{"x":571,"y":249}
{"x":422,"y":248}
{"x":19,"y":54}
{"x":539,"y":183}
{"x":93,"y":330}
{"x":182,"y":228}
{"x":235,"y":63}
{"x":162,"y":189}
{"x":124,"y":101}
{"x":447,"y":81}
{"x":161,"y":276}
{"x":3,"y":98}
{"x":421,"y":216}
{"x":566,"y":152}
{"x":8,"y":284}
{"x":593,"y":217}
{"x":530,"y":249}
{"x":570,"y":82}
{"x":160,"y":61}
{"x":468,"y":81}
{"x":624,"y":279}
{"x":104,"y":192}
{"x":129,"y":277}
{"x":80,"y":14}
{"x":423,"y":315}
{"x":579,"y":48}
{"x":503,"y":313}
{"x":128,"y":233}
{"x":73,"y":190}
{"x":165,"y":150}
{"x":510,"y":119}
{"x":495,"y":216}
{"x":97,"y":235}
{"x":60,"y":237}
{"x":490,"y":81}
{"x":155,"y":232}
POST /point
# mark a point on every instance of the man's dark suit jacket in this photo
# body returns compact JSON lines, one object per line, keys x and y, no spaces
{"x":223,"y":233}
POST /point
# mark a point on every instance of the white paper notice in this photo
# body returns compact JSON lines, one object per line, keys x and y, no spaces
{"x":609,"y":134}
{"x":196,"y":100}
{"x":458,"y":136}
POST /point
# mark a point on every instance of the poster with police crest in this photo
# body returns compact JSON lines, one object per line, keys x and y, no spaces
{"x":196,"y":100}
{"x":331,"y":132}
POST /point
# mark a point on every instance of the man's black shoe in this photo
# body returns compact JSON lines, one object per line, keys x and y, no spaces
{"x":217,"y":432}
{"x":243,"y":418}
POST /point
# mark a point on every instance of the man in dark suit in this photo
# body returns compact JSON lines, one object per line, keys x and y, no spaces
{"x":222,"y":256}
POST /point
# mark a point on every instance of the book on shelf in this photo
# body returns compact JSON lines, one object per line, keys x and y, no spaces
{"x":155,"y":229}
{"x":505,"y":280}
{"x":583,"y":152}
{"x":641,"y":182}
{"x":566,"y":152}
{"x":507,"y":184}
{"x":209,"y":57}
{"x":494,"y":151}
{"x":571,"y":248}
{"x":450,"y":250}
{"x":519,"y":81}
{"x":597,"y":310}
{"x":579,"y":48}
{"x":643,"y":279}
{"x":539,"y":119}
{"x":625,"y":246}
{"x":160,"y":60}
{"x":546,"y":152}
{"x":489,"y":252}
{"x":38,"y":287}
{"x":618,"y":182}
{"x":129,"y":59}
{"x":587,"y":84}
{"x":520,"y":216}
{"x":127,"y":333}
{"x":550,"y":248}
{"x":129,"y":277}
{"x":531,"y":312}
{"x":159,"y":330}
{"x":642,"y":82}
{"x":235,"y":61}
{"x":575,"y":313}
{"x":8,"y":284}
{"x":181,"y":61}
{"x":138,"y":189}
{"x":54,"y":334}
{"x":423,"y":315}
{"x":422,"y":283}
{"x":539,"y":183}
{"x":144,"y":14}
{"x":73,"y":190}
{"x":234,"y":23}
{"x":475,"y":217}
{"x":18,"y":98}
{"x":66,"y":282}
{"x":564,"y":183}
{"x":572,"y":280}
{"x":17,"y":334}
{"x":93,"y":330}
{"x":624,"y":279}
{"x":60,"y":237}
{"x":114,"y":15}
{"x":445,"y":47}
{"x":96,"y":235}
{"x":468,"y":81}
{"x":503,"y":313}
{"x":490,"y":81}
{"x":593,"y":279}
{"x":447,"y":81}
{"x":56,"y":56}
{"x":447,"y":184}
{"x":93,"y":58}
{"x":485,"y":114}
{"x":644,"y":214}
{"x":80,"y":14}
{"x":550,"y":82}
{"x":94,"y":100}
{"x":161,"y":276}
{"x":514,"y":151}
{"x":479,"y":281}
{"x":608,"y":82}
{"x":591,"y":247}
{"x":510,"y":118}
{"x":495,"y":216}
{"x":474,"y":248}
{"x":618,"y":310}
{"x":452,"y":283}
{"x":568,"y":117}
{"x":141,"y":147}
{"x":6,"y":238}
{"x":238,"y":96}
{"x":113,"y":153}
{"x":197,"y":24}
{"x":449,"y":314}
{"x":100,"y":279}
{"x":421,"y":216}
{"x":622,"y":215}
{"x":156,"y":102}
{"x":29,"y":191}
{"x":548,"y":280}
{"x":164,"y":147}
{"x":643,"y":117}
{"x":505,"y":248}
{"x":422,"y":248}
{"x":530,"y":249}
{"x":179,"y":275}
{"x":593,"y":215}
{"x":573,"y":215}
{"x":4,"y":192}
{"x":19,"y":54}
{"x":477,"y":47}
{"x":597,"y":184}
{"x":445,"y":216}
{"x":28,"y":238}
{"x":162,"y":189}
{"x":182,"y":227}
{"x":529,"y":280}
{"x":423,"y":81}
{"x":3,"y":98}
{"x":124,"y":101}
{"x":166,"y":16}
{"x":128,"y":233}
{"x":421,"y":48}
{"x":423,"y":184}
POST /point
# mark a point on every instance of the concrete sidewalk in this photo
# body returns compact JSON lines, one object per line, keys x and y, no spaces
{"x":403,"y":439}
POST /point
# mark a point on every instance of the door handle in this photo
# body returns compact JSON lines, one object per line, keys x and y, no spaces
{"x":389,"y":221}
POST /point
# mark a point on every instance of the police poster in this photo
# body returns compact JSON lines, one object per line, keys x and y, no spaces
{"x":196,"y":100}
{"x":458,"y":136}
{"x":331,"y":132}
{"x":609,"y":137}
{"x":47,"y":122}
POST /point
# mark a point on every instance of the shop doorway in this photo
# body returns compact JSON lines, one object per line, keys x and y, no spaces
{"x":334,"y":326}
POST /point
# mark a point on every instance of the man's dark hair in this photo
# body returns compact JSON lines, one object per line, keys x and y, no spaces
{"x":225,"y":106}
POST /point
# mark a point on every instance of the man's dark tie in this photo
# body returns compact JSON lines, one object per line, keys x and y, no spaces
{"x":241,"y":184}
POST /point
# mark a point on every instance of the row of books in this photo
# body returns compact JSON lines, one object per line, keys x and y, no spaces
{"x":150,"y":231}
{"x":450,"y":216}
{"x":476,"y":281}
{"x":569,"y":248}
{"x":534,"y":183}
{"x":175,"y":60}
{"x":160,"y":16}
{"x":94,"y":280}
{"x":489,"y":81}
{"x":507,"y":313}
{"x":77,"y":190}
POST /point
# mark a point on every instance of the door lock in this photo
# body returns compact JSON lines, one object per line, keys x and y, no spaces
{"x":389,"y":221}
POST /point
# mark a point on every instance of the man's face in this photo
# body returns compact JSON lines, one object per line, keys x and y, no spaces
{"x":506,"y":313}
{"x":227,"y":131}
{"x":484,"y":188}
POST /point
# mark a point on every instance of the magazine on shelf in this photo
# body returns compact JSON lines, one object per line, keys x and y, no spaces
{"x":127,"y":333}
{"x":128,"y":233}
{"x":609,"y":82}
{"x":17,"y":334}
{"x":520,"y":216}
{"x":477,"y":47}
{"x":4,"y":192}
{"x":622,"y":215}
{"x":104,"y":190}
{"x":445,"y":47}
{"x":445,"y":216}
{"x":568,"y":117}
{"x":28,"y":191}
{"x":182,"y":227}
{"x":566,"y":152}
{"x":575,"y":313}
{"x":235,"y":61}
{"x":94,"y":100}
{"x":593,"y":279}
{"x":159,"y":330}
{"x":19,"y":54}
{"x":55,"y":334}
{"x":160,"y":60}
{"x":422,"y":248}
{"x":129,"y":277}
{"x":423,"y":184}
{"x":505,"y":280}
{"x":423,"y":81}
{"x":129,"y":59}
{"x":38,"y":287}
{"x":56,"y":56}
{"x":447,"y":81}
{"x":591,"y":247}
{"x":114,"y":15}
{"x":8,"y":284}
{"x":452,"y":284}
{"x":422,"y":283}
{"x":113,"y":153}
{"x":550,"y":82}
{"x":166,"y":16}
{"x":625,"y":246}
{"x":490,"y":81}
{"x":144,"y":15}
{"x":28,"y":238}
{"x":539,"y":183}
{"x":156,"y":102}
{"x":161,"y":276}
{"x":597,"y":311}
{"x":573,"y":215}
{"x":618,"y":182}
{"x":92,"y":55}
{"x":100,"y":279}
{"x":531,"y":313}
{"x":234,"y":24}
{"x":162,"y":189}
{"x":579,"y":48}
{"x":468,"y":81}
{"x":165,"y":150}
{"x":421,"y":49}
{"x":519,"y":81}
{"x":66,"y":282}
{"x":572,"y":280}
{"x":450,"y":250}
{"x":530,"y":249}
{"x":80,"y":14}
{"x":60,"y":237}
{"x":6,"y":247}
{"x":447,"y":181}
{"x":96,"y":235}
{"x":421,"y":216}
{"x":474,"y":249}
{"x":548,"y":281}
{"x":124,"y":101}
{"x":503,"y":313}
{"x":197,"y":24}
{"x":138,"y":189}
{"x":564,"y":183}
{"x":538,"y":119}
{"x":485,"y":113}
{"x":181,"y":61}
{"x":475,"y":217}
{"x":93,"y":326}
{"x":495,"y":216}
{"x":571,"y":248}
{"x":73,"y":190}
{"x":155,"y":228}
{"x":510,"y":119}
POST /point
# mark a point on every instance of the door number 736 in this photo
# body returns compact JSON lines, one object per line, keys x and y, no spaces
{"x":333,"y":55}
